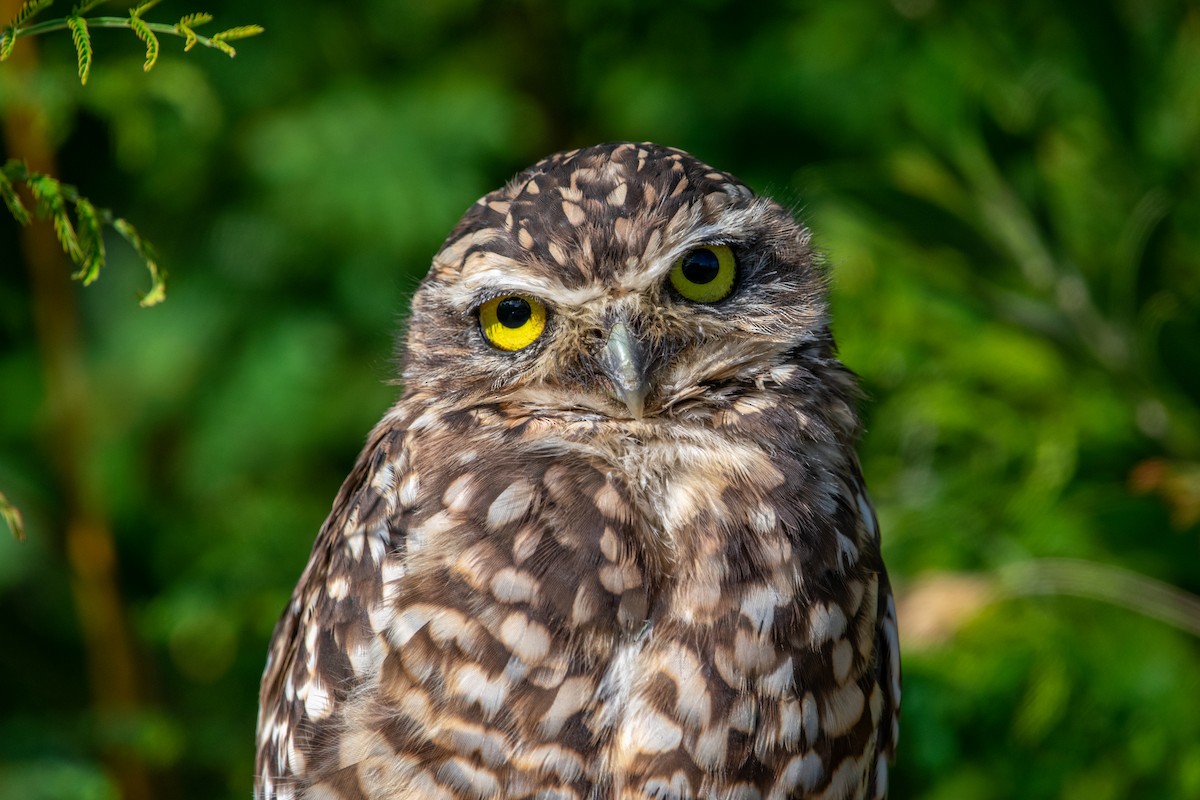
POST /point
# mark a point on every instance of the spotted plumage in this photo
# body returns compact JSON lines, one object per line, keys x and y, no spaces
{"x":623,"y":552}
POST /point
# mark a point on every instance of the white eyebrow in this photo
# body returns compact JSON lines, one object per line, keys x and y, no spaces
{"x":501,"y":280}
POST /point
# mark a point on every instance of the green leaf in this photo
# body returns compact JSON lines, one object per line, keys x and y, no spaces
{"x":146,"y":35}
{"x":240,"y":32}
{"x":12,"y":518}
{"x":28,"y":10}
{"x":48,"y":194}
{"x":196,"y":20}
{"x":85,"y":7}
{"x":143,"y":8}
{"x":221,"y":40}
{"x":158,"y":276}
{"x":15,"y":206}
{"x":187,"y":23}
{"x":91,"y":241}
{"x":83,"y":45}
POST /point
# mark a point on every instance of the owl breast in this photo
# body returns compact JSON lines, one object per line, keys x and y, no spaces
{"x":620,"y":613}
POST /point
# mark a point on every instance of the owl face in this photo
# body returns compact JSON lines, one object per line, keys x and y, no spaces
{"x":620,"y":281}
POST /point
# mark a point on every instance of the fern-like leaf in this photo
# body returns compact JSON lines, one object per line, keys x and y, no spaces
{"x":142,"y":8}
{"x":9,"y":193}
{"x":186,"y":25}
{"x":158,"y":276}
{"x":91,"y":241}
{"x":240,"y":32}
{"x":221,"y":40}
{"x":12,"y":517}
{"x":48,"y":194}
{"x":29,"y":10}
{"x":83,"y":45}
{"x":196,"y":20}
{"x":147,"y":36}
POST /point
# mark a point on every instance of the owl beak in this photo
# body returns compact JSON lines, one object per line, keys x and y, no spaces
{"x":625,"y":365}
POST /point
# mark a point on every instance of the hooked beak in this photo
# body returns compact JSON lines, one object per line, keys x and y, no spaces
{"x":625,"y":365}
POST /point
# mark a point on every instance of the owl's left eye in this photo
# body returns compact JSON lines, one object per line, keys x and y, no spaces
{"x":705,"y":275}
{"x":512,"y":322}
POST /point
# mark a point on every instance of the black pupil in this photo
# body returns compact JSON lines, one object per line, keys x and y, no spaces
{"x":701,"y":266}
{"x":513,"y":312}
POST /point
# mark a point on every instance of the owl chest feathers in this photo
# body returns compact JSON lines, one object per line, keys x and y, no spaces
{"x":610,"y":610}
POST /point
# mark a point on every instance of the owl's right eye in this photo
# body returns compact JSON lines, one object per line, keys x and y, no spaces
{"x":512,"y":322}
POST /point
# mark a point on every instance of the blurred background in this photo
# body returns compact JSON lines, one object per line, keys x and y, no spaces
{"x":1009,"y":198}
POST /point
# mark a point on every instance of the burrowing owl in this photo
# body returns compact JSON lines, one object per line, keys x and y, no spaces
{"x":613,"y":540}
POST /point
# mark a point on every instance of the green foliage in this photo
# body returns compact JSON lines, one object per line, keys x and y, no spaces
{"x":145,"y":34}
{"x":185,"y":26}
{"x":82,"y":239}
{"x":12,"y":518}
{"x":77,"y":22}
{"x":1008,"y":196}
{"x":86,"y":250}
{"x":83,"y":45}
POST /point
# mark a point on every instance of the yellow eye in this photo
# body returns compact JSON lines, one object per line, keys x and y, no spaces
{"x":512,"y":322}
{"x":705,"y":275}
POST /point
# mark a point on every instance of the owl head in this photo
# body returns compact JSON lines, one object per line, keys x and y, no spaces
{"x":625,"y":281}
